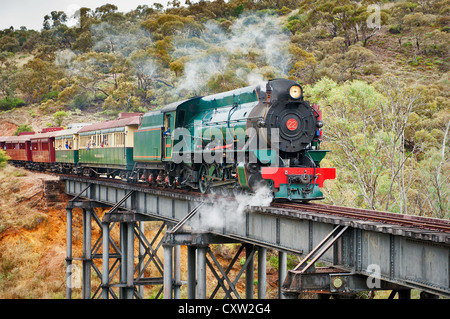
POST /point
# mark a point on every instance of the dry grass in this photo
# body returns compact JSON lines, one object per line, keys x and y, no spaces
{"x":32,"y":241}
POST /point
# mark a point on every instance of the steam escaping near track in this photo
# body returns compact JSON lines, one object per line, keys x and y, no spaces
{"x":223,"y":212}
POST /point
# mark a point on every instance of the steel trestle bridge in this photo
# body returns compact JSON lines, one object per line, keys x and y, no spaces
{"x":356,"y":254}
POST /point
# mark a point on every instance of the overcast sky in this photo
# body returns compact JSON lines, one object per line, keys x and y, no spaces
{"x":30,"y":13}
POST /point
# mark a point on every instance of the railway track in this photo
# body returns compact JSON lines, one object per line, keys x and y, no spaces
{"x":426,"y":223}
{"x":441,"y":225}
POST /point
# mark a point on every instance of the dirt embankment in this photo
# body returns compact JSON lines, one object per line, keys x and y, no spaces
{"x":7,"y":128}
{"x":32,"y":236}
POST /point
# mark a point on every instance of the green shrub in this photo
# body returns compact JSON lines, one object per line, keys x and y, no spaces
{"x":23,"y":128}
{"x":396,"y":29}
{"x":81,"y":101}
{"x":59,"y":117}
{"x":3,"y":158}
{"x":53,"y":95}
{"x":8,"y":103}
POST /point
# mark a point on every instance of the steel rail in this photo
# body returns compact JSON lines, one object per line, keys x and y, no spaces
{"x":442,"y":225}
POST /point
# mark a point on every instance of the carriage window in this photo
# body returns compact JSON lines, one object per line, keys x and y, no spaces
{"x":105,"y":141}
{"x":88,"y":142}
{"x":45,"y":146}
{"x":67,"y":144}
{"x":84,"y":141}
{"x":34,"y":146}
{"x":181,"y":118}
{"x":167,"y":121}
{"x":119,"y":139}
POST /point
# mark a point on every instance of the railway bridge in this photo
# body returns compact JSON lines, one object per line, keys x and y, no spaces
{"x":355,"y":254}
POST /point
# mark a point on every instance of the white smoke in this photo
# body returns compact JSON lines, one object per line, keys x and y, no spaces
{"x":198,"y":71}
{"x":64,"y":58}
{"x":223,"y":212}
{"x":262,"y":37}
{"x":255,"y":79}
{"x":119,"y":40}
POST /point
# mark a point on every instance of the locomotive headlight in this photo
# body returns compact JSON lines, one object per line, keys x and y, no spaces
{"x":295,"y":92}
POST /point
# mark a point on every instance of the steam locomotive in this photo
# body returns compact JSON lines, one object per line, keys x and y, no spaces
{"x":241,"y":140}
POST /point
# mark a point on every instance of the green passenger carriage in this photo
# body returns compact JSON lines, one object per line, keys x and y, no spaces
{"x":66,"y":148}
{"x":107,"y":147}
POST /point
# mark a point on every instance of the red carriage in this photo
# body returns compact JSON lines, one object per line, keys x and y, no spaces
{"x":43,"y":148}
{"x":17,"y":148}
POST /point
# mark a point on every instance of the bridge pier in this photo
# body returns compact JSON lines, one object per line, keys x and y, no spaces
{"x":168,"y":268}
{"x":282,"y":272}
{"x":191,"y":271}
{"x":87,"y":252}
{"x":118,"y":259}
{"x":262,"y":269}
{"x":74,"y":277}
{"x":200,"y":259}
{"x":201,"y":272}
{"x":132,"y":277}
{"x":118,"y":269}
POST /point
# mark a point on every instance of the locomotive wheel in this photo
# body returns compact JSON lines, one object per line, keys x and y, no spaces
{"x":202,"y":180}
